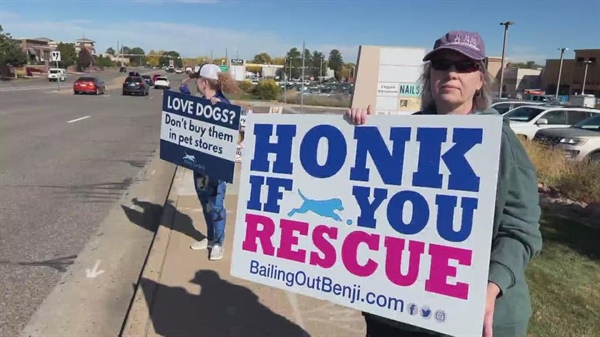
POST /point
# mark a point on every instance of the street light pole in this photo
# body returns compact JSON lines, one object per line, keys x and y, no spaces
{"x":562,"y":52}
{"x":505,"y":24}
{"x":302,"y":79}
{"x":587,"y":63}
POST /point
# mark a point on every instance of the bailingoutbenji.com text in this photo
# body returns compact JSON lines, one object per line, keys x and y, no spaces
{"x":353,"y":293}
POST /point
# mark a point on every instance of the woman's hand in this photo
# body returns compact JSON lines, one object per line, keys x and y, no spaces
{"x":214,"y":100}
{"x":490,"y":303}
{"x":358,"y":116}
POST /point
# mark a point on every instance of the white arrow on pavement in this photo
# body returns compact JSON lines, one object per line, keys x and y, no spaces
{"x":92,"y":273}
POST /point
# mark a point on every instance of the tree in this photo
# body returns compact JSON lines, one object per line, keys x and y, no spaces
{"x":307,"y":62}
{"x":336,"y":62}
{"x":68,"y":55}
{"x":11,"y":53}
{"x":278,"y":61}
{"x":319,"y":65}
{"x":293,"y":63}
{"x":137,"y":60}
{"x":84,"y":59}
{"x":262,"y":58}
{"x":171,"y":55}
{"x":524,"y":65}
{"x":104,"y":62}
{"x":110,"y":51}
{"x":153,"y":58}
{"x":125,"y":50}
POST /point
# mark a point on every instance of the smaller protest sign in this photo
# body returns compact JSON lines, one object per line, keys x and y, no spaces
{"x":199,"y":135}
{"x":393,"y":217}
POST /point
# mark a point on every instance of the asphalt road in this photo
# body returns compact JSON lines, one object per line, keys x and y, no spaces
{"x":64,"y":161}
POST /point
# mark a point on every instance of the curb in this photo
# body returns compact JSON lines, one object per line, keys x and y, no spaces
{"x":137,"y":321}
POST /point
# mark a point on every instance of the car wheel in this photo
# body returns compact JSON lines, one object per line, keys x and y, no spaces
{"x":97,"y":92}
{"x":124,"y":93}
{"x":595,"y":157}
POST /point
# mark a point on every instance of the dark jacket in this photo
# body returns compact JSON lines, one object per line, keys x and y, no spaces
{"x":516,"y":237}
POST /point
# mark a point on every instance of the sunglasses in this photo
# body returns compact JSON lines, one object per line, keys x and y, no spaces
{"x":460,"y":66}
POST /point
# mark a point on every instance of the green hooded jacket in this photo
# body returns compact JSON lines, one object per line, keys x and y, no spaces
{"x":516,"y":237}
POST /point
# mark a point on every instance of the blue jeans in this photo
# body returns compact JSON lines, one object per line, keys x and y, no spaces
{"x":211,"y":194}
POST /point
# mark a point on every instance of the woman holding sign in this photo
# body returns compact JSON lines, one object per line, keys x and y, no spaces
{"x":211,"y":83}
{"x":455,"y":82}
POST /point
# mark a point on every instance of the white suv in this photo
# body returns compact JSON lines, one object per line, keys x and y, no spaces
{"x":57,"y":74}
{"x":529,"y":119}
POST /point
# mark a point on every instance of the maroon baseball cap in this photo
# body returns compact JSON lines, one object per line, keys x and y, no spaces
{"x":469,"y":44}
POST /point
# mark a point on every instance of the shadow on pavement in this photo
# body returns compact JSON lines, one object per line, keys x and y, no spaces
{"x":220,"y":309}
{"x":150,"y":216}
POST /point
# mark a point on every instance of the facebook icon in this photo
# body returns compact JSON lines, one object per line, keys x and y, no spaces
{"x":412,"y":309}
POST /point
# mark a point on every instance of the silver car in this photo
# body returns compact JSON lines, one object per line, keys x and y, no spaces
{"x":579,"y":142}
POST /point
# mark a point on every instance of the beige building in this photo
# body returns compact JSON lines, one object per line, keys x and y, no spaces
{"x":573,"y":69}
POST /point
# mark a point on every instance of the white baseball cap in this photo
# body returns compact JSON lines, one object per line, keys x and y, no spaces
{"x":210,"y":71}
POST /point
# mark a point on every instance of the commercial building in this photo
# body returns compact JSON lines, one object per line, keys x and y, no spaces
{"x":38,"y":50}
{"x":573,"y":72}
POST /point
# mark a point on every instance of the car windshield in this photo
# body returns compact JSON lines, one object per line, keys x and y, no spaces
{"x":133,"y":79}
{"x":161,"y":79}
{"x":86,"y":79}
{"x":146,"y":76}
{"x":523,"y":113}
{"x":592,"y":123}
{"x":53,"y":71}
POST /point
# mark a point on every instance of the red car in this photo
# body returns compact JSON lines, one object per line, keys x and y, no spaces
{"x":154,"y":77}
{"x":89,"y":85}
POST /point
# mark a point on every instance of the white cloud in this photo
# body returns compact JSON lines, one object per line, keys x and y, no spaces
{"x":188,"y":39}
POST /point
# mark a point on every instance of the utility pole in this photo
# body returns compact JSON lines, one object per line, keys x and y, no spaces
{"x":211,"y":57}
{"x":226,"y":57}
{"x":302,"y":79}
{"x":505,"y":24}
{"x":587,"y":63}
{"x":562,"y":52}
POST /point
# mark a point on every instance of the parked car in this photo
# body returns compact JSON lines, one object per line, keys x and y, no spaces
{"x":162,"y":83}
{"x":504,"y":106}
{"x":134,"y":73}
{"x":579,"y":142}
{"x":89,"y":85}
{"x":529,"y":119}
{"x":178,"y":71}
{"x":122,"y":70}
{"x":148,"y":80}
{"x":135,"y":85}
{"x":57,"y":74}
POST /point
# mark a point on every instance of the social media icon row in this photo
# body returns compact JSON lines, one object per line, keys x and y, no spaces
{"x":426,"y":312}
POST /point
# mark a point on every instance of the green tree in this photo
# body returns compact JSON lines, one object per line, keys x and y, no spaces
{"x":68,"y":55}
{"x":262,"y":58}
{"x":104,"y":62}
{"x":293,"y":63}
{"x":171,"y":55}
{"x":336,"y":63}
{"x":307,"y":62}
{"x":125,"y":50}
{"x":110,"y":51}
{"x":84,"y":59}
{"x":319,"y":65}
{"x":11,"y":53}
{"x":140,"y":58}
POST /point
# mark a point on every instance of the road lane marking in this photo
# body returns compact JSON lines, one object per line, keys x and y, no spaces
{"x":78,"y":119}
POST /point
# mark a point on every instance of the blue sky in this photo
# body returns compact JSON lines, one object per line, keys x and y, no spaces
{"x":247,"y":27}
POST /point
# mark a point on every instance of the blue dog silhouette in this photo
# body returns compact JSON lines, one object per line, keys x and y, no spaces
{"x":324,"y":208}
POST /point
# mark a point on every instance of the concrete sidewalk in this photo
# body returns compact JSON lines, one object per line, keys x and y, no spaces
{"x":182,"y":293}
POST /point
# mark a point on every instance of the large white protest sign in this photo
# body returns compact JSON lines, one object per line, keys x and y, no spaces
{"x":392,"y":218}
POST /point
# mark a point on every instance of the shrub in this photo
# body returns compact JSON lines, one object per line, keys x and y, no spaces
{"x":246,"y":86}
{"x":574,"y":180}
{"x":267,"y":90}
{"x":339,"y":100}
